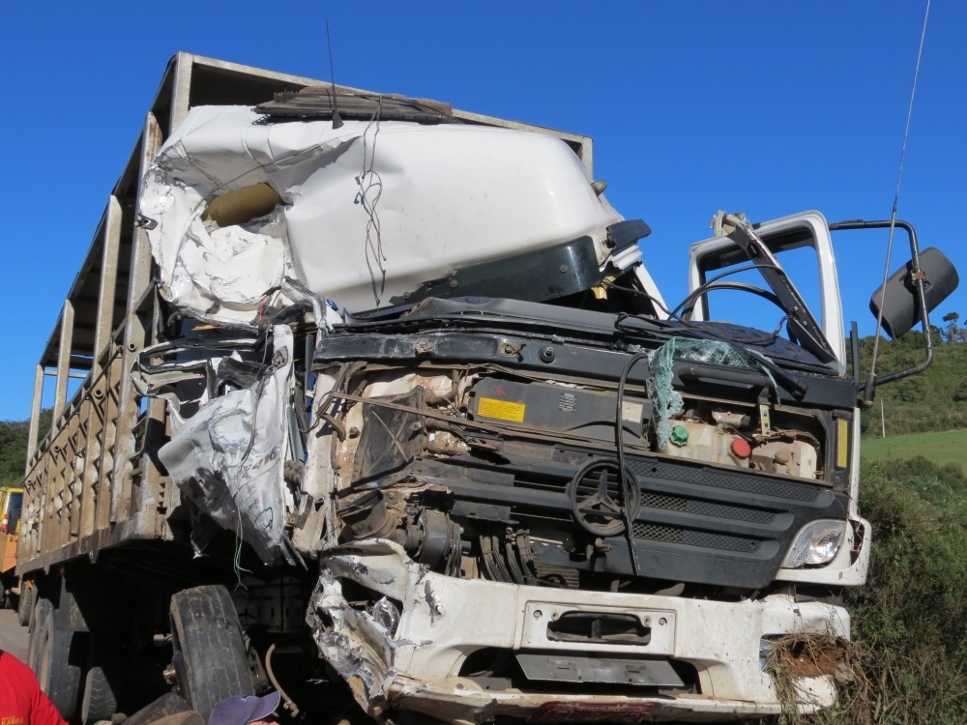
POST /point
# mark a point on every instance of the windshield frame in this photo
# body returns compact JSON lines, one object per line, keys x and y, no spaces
{"x":807,"y":229}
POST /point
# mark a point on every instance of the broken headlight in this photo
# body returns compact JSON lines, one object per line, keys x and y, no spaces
{"x":386,"y":614}
{"x":817,"y":543}
{"x":767,"y":650}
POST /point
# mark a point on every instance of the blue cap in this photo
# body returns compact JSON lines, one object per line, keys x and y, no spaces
{"x":243,"y":709}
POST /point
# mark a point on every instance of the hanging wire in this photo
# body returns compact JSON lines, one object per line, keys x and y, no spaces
{"x":237,"y":478}
{"x":896,"y":204}
{"x":370,"y":189}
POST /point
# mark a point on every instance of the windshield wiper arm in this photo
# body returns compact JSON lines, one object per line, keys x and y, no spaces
{"x":801,"y":322}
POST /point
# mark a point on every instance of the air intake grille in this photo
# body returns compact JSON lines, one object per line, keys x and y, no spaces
{"x":673,"y":535}
{"x":704,"y":508}
{"x":720,"y":479}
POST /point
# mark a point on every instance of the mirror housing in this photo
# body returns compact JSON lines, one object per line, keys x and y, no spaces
{"x":906,"y":298}
{"x":899,"y":300}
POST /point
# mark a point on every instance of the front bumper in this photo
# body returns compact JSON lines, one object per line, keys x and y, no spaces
{"x":443,"y":620}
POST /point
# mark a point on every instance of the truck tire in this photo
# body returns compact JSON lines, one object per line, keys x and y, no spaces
{"x":51,"y":658}
{"x":26,"y":604}
{"x":8,"y":600}
{"x":38,"y":632}
{"x":209,"y":655}
{"x":99,"y":701}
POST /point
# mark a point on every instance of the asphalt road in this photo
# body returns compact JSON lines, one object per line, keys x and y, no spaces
{"x":13,"y":637}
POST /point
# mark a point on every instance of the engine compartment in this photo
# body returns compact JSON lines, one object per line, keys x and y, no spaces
{"x":497,"y":470}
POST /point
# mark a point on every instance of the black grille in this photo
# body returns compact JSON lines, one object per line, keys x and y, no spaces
{"x":673,"y":535}
{"x":704,"y":508}
{"x":692,"y":523}
{"x":748,"y":482}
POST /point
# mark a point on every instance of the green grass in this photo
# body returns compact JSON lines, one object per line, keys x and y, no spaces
{"x":947,"y":447}
{"x":911,"y":617}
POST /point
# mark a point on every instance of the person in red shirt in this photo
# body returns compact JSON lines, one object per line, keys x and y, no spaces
{"x":21,"y":700}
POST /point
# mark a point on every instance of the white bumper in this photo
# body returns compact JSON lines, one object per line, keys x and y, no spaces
{"x":445,"y":619}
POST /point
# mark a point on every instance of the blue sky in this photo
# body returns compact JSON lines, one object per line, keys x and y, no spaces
{"x":764,"y":107}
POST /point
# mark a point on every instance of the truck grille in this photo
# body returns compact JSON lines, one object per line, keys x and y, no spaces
{"x":695,"y":538}
{"x":750,"y":483}
{"x":691,"y":522}
{"x":705,"y":508}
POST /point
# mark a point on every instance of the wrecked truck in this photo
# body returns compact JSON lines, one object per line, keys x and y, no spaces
{"x":379,"y":406}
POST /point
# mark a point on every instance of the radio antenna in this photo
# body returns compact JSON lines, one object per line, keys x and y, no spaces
{"x":871,"y":378}
{"x":336,"y":119}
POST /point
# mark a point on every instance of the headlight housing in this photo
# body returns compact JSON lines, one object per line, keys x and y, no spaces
{"x":767,"y":649}
{"x":817,"y":543}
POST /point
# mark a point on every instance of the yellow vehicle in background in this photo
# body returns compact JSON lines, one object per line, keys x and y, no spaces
{"x":11,"y":502}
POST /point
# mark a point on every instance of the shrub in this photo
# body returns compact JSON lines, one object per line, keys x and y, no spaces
{"x":910,"y":620}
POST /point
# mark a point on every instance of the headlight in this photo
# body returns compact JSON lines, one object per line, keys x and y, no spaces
{"x":767,"y":648}
{"x":817,"y":543}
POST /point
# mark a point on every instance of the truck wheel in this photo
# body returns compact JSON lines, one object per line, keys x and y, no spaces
{"x":51,"y":658}
{"x":209,"y":650}
{"x":99,"y":701}
{"x":38,"y":632}
{"x":26,"y":604}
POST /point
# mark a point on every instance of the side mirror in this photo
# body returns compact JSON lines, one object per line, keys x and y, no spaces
{"x":899,"y":298}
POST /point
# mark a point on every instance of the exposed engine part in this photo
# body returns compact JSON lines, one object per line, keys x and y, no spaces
{"x":480,"y":473}
{"x":293,"y":471}
{"x":734,"y":420}
{"x":427,"y":534}
{"x":791,"y":458}
{"x":445,"y":443}
{"x":511,"y":559}
{"x":702,"y":442}
{"x":288,"y":703}
{"x":562,"y":410}
{"x":728,"y":437}
{"x":390,"y":438}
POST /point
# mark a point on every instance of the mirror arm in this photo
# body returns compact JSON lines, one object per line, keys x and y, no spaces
{"x":927,"y":334}
{"x":869,"y":388}
{"x":854,"y":345}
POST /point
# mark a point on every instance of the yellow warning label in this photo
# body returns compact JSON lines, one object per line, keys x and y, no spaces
{"x":842,"y":443}
{"x":501,"y":410}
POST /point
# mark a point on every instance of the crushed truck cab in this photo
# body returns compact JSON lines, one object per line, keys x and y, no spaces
{"x":502,"y":550}
{"x":399,"y":377}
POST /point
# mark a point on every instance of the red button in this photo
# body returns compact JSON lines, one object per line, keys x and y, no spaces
{"x":741,"y":448}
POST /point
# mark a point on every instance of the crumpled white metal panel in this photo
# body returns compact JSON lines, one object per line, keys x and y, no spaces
{"x":371,"y":210}
{"x":412,"y":663}
{"x":228,"y":457}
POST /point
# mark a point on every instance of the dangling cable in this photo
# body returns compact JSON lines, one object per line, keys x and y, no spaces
{"x":627,"y":491}
{"x":370,"y":189}
{"x":869,"y":389}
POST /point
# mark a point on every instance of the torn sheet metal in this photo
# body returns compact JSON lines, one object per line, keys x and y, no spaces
{"x":228,"y":457}
{"x":234,"y":203}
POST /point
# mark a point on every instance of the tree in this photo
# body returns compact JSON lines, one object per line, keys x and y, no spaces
{"x":960,"y":394}
{"x":13,"y":451}
{"x":13,"y":447}
{"x":952,"y":332}
{"x":911,"y":390}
